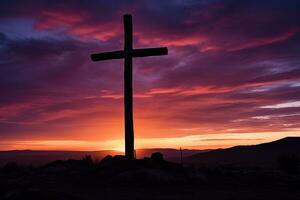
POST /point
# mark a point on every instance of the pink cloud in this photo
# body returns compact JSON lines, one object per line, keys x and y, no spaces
{"x":77,"y":23}
{"x":257,"y":42}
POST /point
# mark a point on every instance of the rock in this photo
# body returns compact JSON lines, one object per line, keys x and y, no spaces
{"x":109,"y":160}
{"x":157,"y":156}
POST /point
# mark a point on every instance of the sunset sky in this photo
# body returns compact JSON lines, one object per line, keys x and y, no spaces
{"x":232,"y":75}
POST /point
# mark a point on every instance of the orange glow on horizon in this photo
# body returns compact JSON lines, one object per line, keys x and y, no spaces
{"x":211,"y":141}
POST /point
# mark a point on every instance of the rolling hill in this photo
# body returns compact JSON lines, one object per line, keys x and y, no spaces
{"x":264,"y":155}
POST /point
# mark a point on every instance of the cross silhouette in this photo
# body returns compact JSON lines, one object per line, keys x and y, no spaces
{"x":128,"y":53}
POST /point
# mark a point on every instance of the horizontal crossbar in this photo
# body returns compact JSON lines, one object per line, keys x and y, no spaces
{"x":132,"y":53}
{"x":149,"y":52}
{"x":107,"y":55}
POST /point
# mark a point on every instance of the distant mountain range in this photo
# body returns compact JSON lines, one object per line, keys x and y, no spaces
{"x":34,"y":157}
{"x":264,"y":155}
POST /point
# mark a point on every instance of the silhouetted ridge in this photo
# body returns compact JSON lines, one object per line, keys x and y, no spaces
{"x":115,"y":177}
{"x":265,"y":154}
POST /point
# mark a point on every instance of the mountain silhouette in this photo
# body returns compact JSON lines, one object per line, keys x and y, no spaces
{"x":37,"y":157}
{"x":264,"y":155}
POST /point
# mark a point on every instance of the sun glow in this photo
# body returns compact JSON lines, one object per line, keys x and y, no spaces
{"x":119,"y":149}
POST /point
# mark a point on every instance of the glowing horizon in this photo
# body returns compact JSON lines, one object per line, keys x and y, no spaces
{"x":200,"y":142}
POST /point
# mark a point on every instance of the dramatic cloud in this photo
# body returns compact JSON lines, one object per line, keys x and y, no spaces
{"x":233,"y":68}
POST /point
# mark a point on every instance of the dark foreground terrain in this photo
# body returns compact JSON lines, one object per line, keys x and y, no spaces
{"x":149,"y":178}
{"x":265,"y":171}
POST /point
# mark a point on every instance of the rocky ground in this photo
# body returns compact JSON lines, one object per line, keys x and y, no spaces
{"x":149,"y":178}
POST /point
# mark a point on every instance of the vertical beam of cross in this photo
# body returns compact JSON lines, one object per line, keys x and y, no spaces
{"x":129,"y":130}
{"x":128,"y":53}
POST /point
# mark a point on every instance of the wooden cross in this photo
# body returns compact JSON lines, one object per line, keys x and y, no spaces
{"x":128,"y":53}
